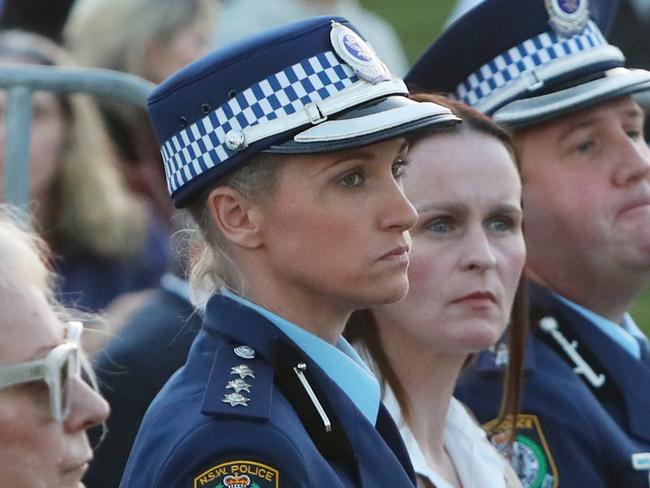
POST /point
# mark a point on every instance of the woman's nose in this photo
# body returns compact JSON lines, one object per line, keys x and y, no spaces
{"x":398,"y":213}
{"x":87,"y":409}
{"x":479,"y":255}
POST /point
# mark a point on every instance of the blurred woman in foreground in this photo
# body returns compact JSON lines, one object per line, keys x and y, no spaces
{"x":46,"y":407}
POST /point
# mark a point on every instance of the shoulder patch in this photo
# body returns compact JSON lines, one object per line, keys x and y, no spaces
{"x":530,"y":455}
{"x":238,"y":474}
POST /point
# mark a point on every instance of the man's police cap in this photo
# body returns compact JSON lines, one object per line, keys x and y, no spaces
{"x":525,"y":61}
{"x":309,"y":87}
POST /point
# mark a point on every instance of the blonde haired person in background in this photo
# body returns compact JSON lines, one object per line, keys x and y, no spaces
{"x":151,"y":39}
{"x":82,"y":207}
{"x":46,"y":407}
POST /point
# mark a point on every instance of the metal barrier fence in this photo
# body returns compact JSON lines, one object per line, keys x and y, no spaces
{"x":21,"y":80}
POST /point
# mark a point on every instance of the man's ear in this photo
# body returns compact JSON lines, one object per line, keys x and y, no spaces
{"x":234,"y":216}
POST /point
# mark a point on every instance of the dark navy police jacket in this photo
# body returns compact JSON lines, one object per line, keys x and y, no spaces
{"x":571,"y":433}
{"x":265,"y":430}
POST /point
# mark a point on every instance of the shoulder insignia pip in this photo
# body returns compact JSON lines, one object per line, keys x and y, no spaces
{"x":530,"y":455}
{"x":238,"y":474}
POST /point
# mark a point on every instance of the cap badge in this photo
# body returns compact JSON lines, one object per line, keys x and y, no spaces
{"x":358,"y":54}
{"x":567,"y":17}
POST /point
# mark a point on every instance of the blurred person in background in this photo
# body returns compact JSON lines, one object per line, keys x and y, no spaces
{"x":45,"y":18}
{"x":46,"y":407}
{"x":468,"y":254}
{"x":151,"y":39}
{"x":240,"y":18}
{"x":100,"y":234}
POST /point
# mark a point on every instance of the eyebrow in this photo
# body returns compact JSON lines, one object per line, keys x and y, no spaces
{"x":361,"y":153}
{"x":462,"y":209}
{"x":633,"y":112}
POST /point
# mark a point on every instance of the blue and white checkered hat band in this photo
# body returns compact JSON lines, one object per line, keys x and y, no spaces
{"x":202,"y":146}
{"x":523,"y":58}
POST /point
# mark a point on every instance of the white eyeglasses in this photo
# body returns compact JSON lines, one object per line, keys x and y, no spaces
{"x":56,"y":369}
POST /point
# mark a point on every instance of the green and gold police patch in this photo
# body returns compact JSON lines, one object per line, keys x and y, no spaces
{"x":530,"y":456}
{"x":239,"y":474}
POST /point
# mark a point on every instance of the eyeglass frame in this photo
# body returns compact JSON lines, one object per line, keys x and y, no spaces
{"x":48,"y":369}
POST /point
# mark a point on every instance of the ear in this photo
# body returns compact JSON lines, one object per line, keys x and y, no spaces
{"x":235,"y":216}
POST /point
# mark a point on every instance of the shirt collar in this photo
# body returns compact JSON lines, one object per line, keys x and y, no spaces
{"x":477,"y":462}
{"x":341,"y":362}
{"x":627,"y":334}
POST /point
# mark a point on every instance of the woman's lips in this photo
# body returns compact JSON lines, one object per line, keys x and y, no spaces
{"x":400,"y":253}
{"x":477,"y":298}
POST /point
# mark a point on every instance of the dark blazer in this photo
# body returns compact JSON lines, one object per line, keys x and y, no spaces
{"x":202,"y":432}
{"x":132,"y":369}
{"x":573,"y":434}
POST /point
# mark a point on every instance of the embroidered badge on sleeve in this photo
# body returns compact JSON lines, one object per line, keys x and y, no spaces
{"x":239,"y":474}
{"x":530,"y":456}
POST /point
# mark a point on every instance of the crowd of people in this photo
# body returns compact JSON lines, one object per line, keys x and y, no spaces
{"x":295,"y":268}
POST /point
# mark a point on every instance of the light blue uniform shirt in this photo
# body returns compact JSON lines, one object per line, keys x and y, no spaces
{"x":627,"y":334}
{"x":341,"y":363}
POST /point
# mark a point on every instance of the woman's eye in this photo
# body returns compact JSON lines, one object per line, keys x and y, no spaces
{"x":501,"y":224}
{"x":399,"y":168}
{"x":352,"y":180}
{"x":634,"y":134}
{"x":440,"y":225}
{"x":585,"y":146}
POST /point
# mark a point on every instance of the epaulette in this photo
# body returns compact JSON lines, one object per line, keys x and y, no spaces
{"x":240,"y":384}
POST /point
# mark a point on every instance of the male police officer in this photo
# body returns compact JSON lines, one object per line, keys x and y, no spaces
{"x":544,"y":68}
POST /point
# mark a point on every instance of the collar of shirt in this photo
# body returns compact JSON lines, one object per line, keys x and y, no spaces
{"x":627,"y":335}
{"x":341,"y":362}
{"x":477,"y":462}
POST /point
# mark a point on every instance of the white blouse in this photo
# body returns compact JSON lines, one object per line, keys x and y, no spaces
{"x":477,"y":462}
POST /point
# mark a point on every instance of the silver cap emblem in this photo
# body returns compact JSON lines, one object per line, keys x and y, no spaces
{"x":567,"y":17}
{"x":358,"y":54}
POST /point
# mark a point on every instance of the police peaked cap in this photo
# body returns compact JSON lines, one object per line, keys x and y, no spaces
{"x":309,"y":87}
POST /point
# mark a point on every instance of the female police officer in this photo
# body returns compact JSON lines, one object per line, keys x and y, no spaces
{"x":288,"y":148}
